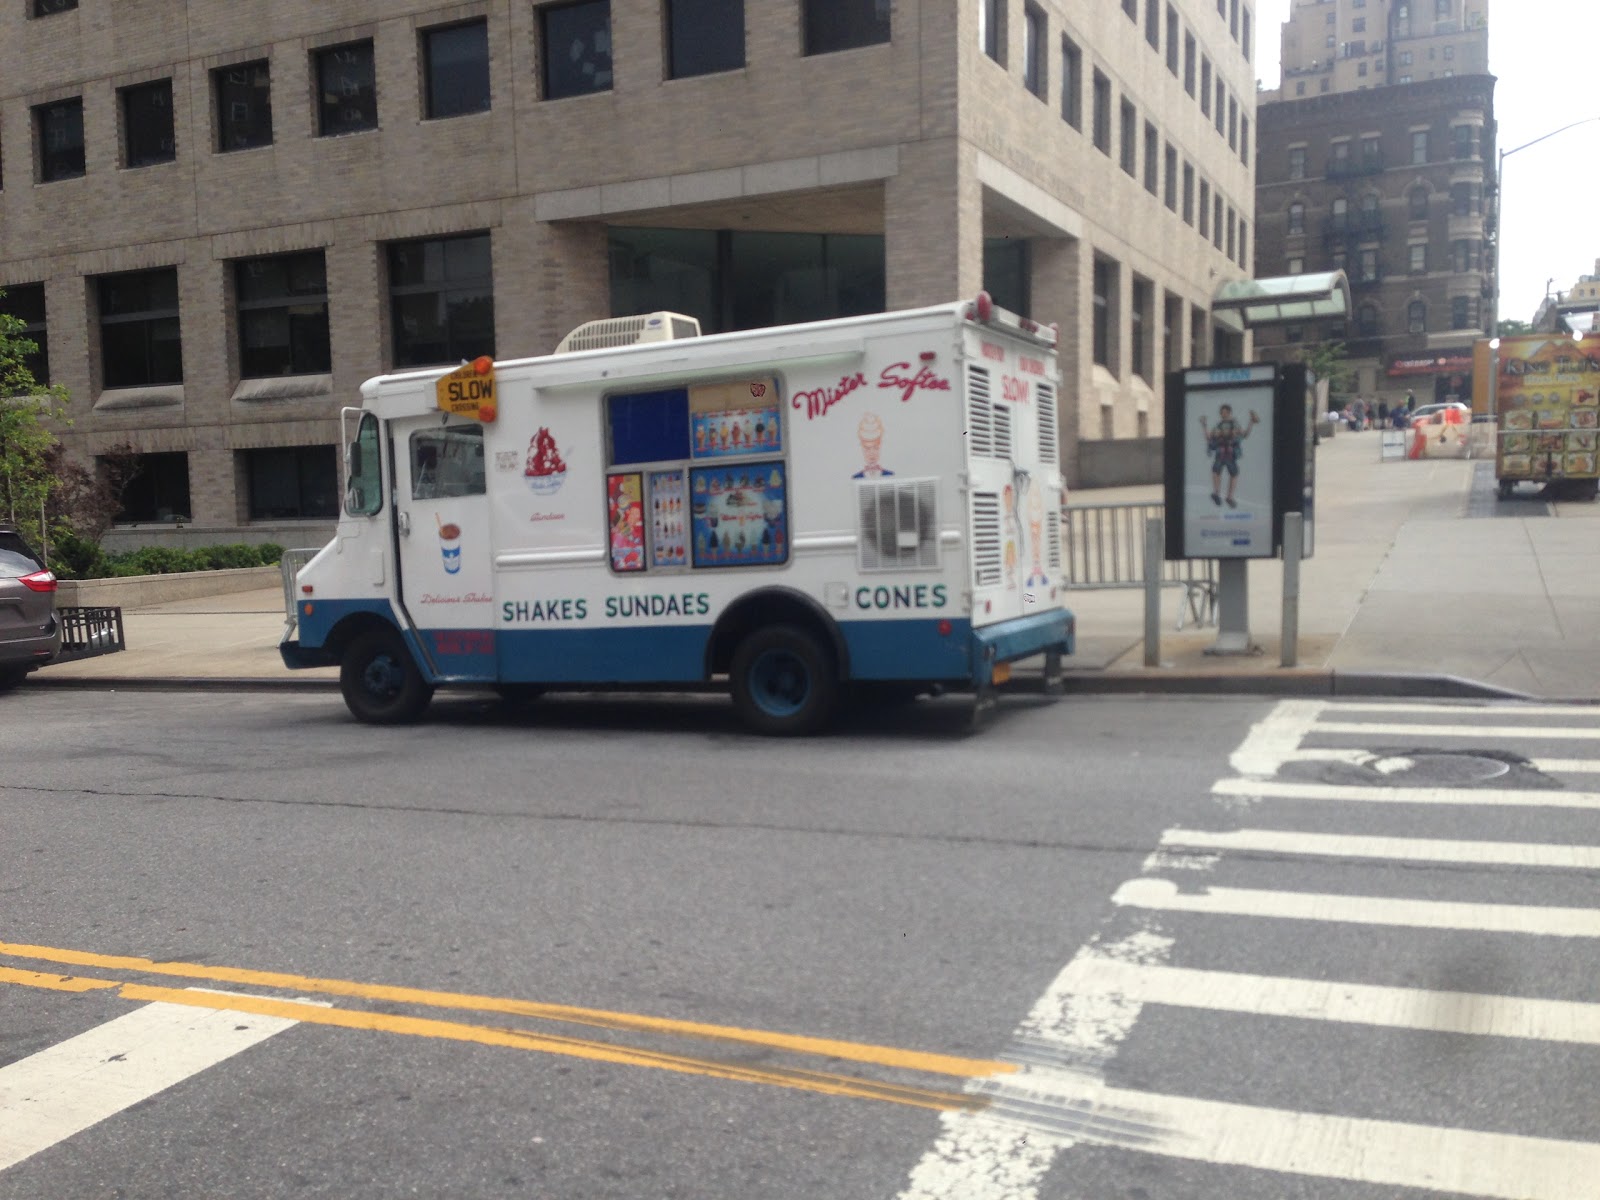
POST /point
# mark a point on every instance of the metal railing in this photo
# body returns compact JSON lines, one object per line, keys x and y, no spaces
{"x":288,"y":567}
{"x":1105,"y":549}
{"x":89,"y":632}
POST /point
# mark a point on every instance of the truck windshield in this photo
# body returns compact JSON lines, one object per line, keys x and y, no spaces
{"x":363,"y":494}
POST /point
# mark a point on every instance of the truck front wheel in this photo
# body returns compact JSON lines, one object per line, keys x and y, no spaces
{"x":783,"y":681}
{"x":380,"y":681}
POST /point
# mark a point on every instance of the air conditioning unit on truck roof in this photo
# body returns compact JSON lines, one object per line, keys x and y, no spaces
{"x":612,"y":332}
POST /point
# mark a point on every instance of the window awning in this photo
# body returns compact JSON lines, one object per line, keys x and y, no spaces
{"x":1285,"y":299}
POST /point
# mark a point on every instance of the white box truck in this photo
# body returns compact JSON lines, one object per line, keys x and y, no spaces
{"x":870,"y":502}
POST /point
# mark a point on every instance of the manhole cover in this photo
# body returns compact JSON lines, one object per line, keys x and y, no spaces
{"x":1440,"y":768}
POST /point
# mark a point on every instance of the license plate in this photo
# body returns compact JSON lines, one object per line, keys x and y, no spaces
{"x":1001,"y":673}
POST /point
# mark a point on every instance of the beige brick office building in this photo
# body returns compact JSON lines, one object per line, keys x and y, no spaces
{"x":219,"y":218}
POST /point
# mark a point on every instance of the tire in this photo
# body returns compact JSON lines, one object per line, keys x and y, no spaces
{"x":1505,"y":488}
{"x":380,"y":681}
{"x":784,"y":682}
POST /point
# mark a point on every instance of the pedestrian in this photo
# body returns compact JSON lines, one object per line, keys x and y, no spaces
{"x":1383,"y":413}
{"x":1402,"y":417}
{"x":1411,"y":401}
{"x":1359,"y":409}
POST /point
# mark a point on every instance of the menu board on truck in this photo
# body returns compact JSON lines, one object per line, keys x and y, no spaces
{"x":1547,"y":400}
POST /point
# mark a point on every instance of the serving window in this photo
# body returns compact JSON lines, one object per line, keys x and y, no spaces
{"x":665,"y":511}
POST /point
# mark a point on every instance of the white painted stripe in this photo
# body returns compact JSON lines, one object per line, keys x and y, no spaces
{"x":1273,"y":789}
{"x":1573,"y":766}
{"x":1501,"y":709}
{"x":1544,"y":732}
{"x":1454,"y":1161}
{"x":1164,"y":895}
{"x":1337,"y":845}
{"x":66,"y":1088}
{"x":1350,"y":1003}
{"x":1275,"y":737}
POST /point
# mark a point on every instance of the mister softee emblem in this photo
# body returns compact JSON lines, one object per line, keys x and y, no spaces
{"x":545,"y":471}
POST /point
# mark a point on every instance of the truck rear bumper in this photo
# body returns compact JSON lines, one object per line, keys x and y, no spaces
{"x":295,"y":656}
{"x":1024,"y":637}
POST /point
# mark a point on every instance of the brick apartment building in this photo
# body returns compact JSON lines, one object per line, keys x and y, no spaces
{"x":1377,"y":156}
{"x":219,"y":218}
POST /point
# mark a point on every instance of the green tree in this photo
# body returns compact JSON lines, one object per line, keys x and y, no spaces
{"x":28,"y":409}
{"x":1329,"y":361}
{"x":1511,"y":328}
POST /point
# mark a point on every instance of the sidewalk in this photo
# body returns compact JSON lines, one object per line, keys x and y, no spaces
{"x":1418,"y":571}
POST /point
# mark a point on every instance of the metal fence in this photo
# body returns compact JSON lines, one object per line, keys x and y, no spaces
{"x":88,"y":632}
{"x":1105,"y":549}
{"x":289,"y":566}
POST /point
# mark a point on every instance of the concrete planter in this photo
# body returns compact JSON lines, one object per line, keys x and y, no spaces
{"x":141,"y":591}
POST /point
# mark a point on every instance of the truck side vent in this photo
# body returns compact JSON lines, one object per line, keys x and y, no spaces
{"x":899,"y":524}
{"x":986,"y":570}
{"x":612,"y":332}
{"x":980,"y":413}
{"x":1052,"y":545}
{"x":1049,"y":440}
{"x":1002,"y":432}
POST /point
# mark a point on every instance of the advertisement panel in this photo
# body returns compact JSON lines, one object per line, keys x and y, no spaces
{"x":1228,"y":440}
{"x":1547,"y":400}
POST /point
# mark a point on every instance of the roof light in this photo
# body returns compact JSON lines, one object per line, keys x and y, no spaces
{"x":984,"y":306}
{"x":483,"y":364}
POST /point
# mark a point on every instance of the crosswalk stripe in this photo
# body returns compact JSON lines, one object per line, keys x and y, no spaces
{"x":66,"y":1088}
{"x":1073,"y":1106}
{"x":1338,"y":845}
{"x":1351,"y":1003}
{"x":1163,"y":895}
{"x":1283,"y":789}
{"x":1580,"y":711}
{"x":1543,"y":732}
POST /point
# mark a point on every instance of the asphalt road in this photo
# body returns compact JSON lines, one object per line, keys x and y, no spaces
{"x":617,"y":948}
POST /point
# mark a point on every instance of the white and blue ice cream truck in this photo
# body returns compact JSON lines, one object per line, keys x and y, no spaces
{"x":871,"y":502}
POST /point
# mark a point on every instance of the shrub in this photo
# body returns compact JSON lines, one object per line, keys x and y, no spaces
{"x":269,"y":554}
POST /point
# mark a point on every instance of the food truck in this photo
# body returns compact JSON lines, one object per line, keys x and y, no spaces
{"x":869,"y":504}
{"x":1544,"y":392}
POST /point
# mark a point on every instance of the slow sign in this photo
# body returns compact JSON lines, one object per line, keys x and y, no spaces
{"x":468,"y":391}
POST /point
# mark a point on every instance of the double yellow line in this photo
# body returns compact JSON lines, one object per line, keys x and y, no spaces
{"x":827,"y":1083}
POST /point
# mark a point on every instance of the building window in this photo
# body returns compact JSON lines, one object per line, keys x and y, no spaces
{"x":1466,"y":141}
{"x":1358,"y":25}
{"x":140,"y":342}
{"x":1339,"y":214}
{"x":1416,"y":317}
{"x":1466,"y":199}
{"x":1188,"y":63}
{"x":1035,"y":75}
{"x":243,"y":96}
{"x":1102,"y":113}
{"x":1152,"y":23}
{"x":293,"y":483}
{"x":843,"y":24}
{"x":1336,"y":260}
{"x":1071,"y":83}
{"x":1371,"y":152}
{"x":1131,"y":8}
{"x":1197,"y":337}
{"x":25,"y":302}
{"x":1297,"y":266}
{"x":1361,"y":69}
{"x":1417,"y":262}
{"x":1461,"y":312}
{"x":1233,"y":228}
{"x":991,"y":28}
{"x":1419,"y":146}
{"x":1367,"y":321}
{"x":441,"y":300}
{"x":1130,"y":137}
{"x":1172,"y":39}
{"x":1205,"y":85}
{"x":1419,"y":203}
{"x":1369,"y":265}
{"x":158,"y":490}
{"x":1404,"y":79}
{"x":1188,"y":194}
{"x":1008,"y":273}
{"x":1405,"y":58}
{"x":575,"y":44}
{"x":1105,"y":313}
{"x":1244,"y":38}
{"x":1222,"y":92}
{"x":48,"y":8}
{"x":1233,"y":123}
{"x":455,"y":63}
{"x":1297,"y":217}
{"x":1300,"y":87}
{"x":1233,"y":19}
{"x":1297,"y":162}
{"x":1141,"y":317}
{"x":283,"y":315}
{"x":1449,"y":52}
{"x":1171,"y":331}
{"x":59,"y":128}
{"x":1152,"y":159}
{"x":1216,"y":219}
{"x":1244,"y":140}
{"x":1205,"y":209}
{"x":147,"y":136}
{"x":347,"y":91}
{"x":1293,"y":333}
{"x":704,"y":37}
{"x":1171,"y":196}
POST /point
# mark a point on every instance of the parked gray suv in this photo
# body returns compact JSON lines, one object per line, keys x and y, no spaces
{"x":30,"y":636}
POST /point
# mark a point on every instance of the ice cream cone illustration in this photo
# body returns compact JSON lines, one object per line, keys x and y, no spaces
{"x":870,"y":434}
{"x":1036,"y":575}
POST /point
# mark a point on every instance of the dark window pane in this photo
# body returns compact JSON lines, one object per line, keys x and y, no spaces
{"x":244,"y":106}
{"x":25,"y":302}
{"x":60,"y":132}
{"x":648,"y":426}
{"x":147,"y":124}
{"x":293,"y":483}
{"x":283,"y":315}
{"x":577,"y":48}
{"x":45,"y":8}
{"x":441,"y":300}
{"x":1006,"y":273}
{"x":347,"y":95}
{"x":457,"y":65}
{"x":140,"y":340}
{"x":844,"y":24}
{"x":704,"y":36}
{"x":159,"y":489}
{"x":783,"y":278}
{"x":671,"y":270}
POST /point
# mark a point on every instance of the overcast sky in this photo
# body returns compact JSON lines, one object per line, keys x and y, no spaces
{"x":1544,"y":55}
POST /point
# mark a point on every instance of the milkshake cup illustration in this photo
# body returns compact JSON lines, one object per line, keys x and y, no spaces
{"x":449,"y":544}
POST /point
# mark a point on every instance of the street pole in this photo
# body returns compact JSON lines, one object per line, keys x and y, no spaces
{"x":1500,"y":221}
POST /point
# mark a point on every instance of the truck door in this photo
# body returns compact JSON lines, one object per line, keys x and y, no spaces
{"x":442,"y":529}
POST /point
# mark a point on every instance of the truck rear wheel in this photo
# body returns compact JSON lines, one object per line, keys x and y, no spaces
{"x":380,"y":680}
{"x":783,"y":681}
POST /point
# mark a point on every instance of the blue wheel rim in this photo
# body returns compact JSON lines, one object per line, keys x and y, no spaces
{"x":383,"y":677}
{"x":780,"y":683}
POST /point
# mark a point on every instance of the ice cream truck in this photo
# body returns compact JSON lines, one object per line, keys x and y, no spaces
{"x":869,"y":503}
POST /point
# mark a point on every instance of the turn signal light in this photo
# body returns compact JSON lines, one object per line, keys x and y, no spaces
{"x":39,"y":581}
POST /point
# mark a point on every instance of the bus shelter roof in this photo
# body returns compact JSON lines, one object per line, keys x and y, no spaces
{"x":1285,"y":299}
